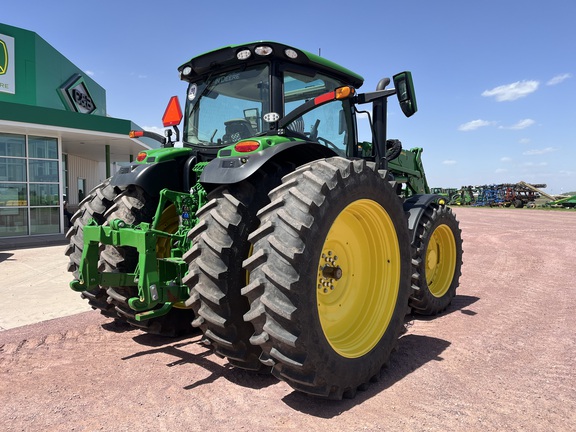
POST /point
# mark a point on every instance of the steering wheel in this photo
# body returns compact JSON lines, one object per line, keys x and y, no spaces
{"x":314,"y":130}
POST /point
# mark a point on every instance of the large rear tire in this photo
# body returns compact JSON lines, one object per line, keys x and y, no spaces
{"x":93,"y":206}
{"x":437,"y":260}
{"x":329,"y":277}
{"x":215,"y":276}
{"x":134,"y":206}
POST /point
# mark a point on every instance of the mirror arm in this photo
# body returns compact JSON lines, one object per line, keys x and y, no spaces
{"x":372,"y":96}
{"x":379,"y":112}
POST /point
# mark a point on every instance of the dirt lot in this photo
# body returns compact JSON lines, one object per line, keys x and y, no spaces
{"x":501,"y":358}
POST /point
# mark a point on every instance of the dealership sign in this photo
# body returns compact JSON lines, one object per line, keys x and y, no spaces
{"x":76,"y":96}
{"x":7,"y":80}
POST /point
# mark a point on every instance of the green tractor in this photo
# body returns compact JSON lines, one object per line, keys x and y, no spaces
{"x":267,"y":225}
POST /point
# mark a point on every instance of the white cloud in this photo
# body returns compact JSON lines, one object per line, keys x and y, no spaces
{"x":449,"y":162}
{"x":558,"y":79}
{"x":510,"y":92}
{"x":89,"y":73}
{"x":505,"y":159}
{"x":474,"y":124}
{"x":522,"y":124}
{"x":501,"y":170}
{"x":535,"y":152}
{"x":525,"y":141}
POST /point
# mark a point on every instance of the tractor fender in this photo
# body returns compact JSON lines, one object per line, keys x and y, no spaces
{"x":229,"y":170}
{"x":415,"y":206}
{"x":151,"y":177}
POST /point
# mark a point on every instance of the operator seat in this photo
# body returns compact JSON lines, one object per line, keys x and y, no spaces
{"x":237,"y":129}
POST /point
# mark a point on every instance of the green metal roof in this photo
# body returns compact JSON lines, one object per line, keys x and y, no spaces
{"x":225,"y":57}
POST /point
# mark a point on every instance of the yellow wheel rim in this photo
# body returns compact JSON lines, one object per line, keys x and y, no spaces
{"x":358,"y":278}
{"x":440,"y":260}
{"x":169,"y":222}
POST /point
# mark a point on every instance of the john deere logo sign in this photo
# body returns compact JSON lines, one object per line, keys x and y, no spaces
{"x":7,"y":83}
{"x":76,"y":96}
{"x":3,"y":57}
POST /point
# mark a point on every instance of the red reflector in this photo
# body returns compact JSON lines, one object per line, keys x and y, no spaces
{"x":324,"y":98}
{"x":173,"y":114}
{"x":141,"y":156}
{"x":246,"y":146}
{"x":136,"y":134}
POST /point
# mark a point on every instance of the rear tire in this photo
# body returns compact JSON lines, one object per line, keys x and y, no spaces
{"x":134,"y":206}
{"x":216,"y":277}
{"x":329,"y":277}
{"x":93,"y":206}
{"x":437,"y":260}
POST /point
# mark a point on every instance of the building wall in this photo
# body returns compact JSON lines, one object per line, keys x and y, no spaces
{"x":81,"y":173}
{"x":55,"y":137}
{"x":41,"y":70}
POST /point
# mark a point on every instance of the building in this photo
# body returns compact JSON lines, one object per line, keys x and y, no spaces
{"x":56,"y":140}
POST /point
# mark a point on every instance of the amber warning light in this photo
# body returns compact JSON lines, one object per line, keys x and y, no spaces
{"x":173,"y":114}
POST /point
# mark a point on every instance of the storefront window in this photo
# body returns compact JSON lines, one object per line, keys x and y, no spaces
{"x":12,"y":169}
{"x":12,"y":145}
{"x":43,"y":171}
{"x":44,"y":220}
{"x":13,"y":194}
{"x":44,"y":195}
{"x":42,"y":148}
{"x":29,"y":185}
{"x":13,"y":221}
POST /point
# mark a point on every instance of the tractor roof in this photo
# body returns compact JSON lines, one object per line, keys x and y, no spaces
{"x":233,"y":55}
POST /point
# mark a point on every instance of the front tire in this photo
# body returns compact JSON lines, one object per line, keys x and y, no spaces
{"x":329,"y":277}
{"x":437,"y":260}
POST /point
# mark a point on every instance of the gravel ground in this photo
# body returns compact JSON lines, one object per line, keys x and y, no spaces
{"x":500,"y":358}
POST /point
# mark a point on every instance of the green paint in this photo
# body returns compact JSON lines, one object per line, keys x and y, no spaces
{"x":165,"y":154}
{"x":265,"y":143}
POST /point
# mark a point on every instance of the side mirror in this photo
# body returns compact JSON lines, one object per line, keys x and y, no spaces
{"x":405,"y":92}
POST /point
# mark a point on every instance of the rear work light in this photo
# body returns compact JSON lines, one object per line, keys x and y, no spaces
{"x":246,"y":146}
{"x":263,"y":50}
{"x":141,"y":156}
{"x":243,"y":54}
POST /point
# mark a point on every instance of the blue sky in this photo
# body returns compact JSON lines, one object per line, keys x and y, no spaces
{"x":495,"y":80}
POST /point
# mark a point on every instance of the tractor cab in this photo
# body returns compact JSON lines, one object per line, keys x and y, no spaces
{"x":243,"y":91}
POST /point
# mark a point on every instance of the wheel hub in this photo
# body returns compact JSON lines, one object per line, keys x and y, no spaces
{"x":431,"y":259}
{"x":329,"y":273}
